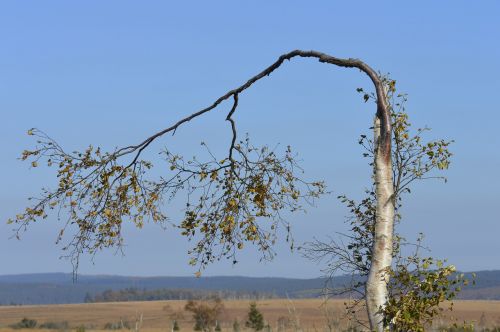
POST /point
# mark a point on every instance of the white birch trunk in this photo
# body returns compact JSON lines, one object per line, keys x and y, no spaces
{"x":376,"y":285}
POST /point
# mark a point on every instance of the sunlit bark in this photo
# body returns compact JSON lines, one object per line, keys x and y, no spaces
{"x":376,"y":285}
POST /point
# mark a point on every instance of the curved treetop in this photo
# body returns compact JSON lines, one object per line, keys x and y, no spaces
{"x":98,"y":190}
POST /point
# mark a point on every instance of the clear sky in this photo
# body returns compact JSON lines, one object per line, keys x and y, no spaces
{"x":111,"y":72}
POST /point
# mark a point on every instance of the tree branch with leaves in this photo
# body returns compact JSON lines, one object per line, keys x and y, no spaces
{"x":228,"y":198}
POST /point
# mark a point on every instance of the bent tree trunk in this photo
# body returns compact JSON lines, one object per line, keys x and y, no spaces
{"x":376,"y":287}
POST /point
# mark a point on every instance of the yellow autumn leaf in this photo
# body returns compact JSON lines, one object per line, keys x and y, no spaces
{"x":230,"y":219}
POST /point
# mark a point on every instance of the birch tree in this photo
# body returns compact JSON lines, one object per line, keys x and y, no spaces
{"x":228,"y":199}
{"x":418,"y":284}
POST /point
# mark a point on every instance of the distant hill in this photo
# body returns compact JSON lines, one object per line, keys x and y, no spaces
{"x":51,"y":288}
{"x":57,"y":288}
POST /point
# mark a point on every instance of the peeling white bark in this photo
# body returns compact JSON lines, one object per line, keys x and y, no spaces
{"x":376,"y":286}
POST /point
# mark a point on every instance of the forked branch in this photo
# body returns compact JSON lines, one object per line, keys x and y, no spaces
{"x":382,"y":107}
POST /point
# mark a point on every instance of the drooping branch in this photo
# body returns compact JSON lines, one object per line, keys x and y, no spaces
{"x":233,"y":126}
{"x":99,"y":192}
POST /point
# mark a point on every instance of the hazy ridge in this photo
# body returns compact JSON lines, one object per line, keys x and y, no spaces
{"x":59,"y":288}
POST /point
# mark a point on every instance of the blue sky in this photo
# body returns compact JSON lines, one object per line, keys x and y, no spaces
{"x":110,"y":73}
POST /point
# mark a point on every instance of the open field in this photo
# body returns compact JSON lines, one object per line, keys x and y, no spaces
{"x":309,"y":314}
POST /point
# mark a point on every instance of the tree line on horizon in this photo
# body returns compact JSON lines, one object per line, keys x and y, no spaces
{"x":136,"y":294}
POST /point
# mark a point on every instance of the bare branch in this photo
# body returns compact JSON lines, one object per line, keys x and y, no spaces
{"x":382,"y":107}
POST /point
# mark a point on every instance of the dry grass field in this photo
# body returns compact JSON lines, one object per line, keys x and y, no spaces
{"x":309,"y":314}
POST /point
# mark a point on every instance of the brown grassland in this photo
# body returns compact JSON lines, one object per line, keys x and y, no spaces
{"x":309,"y":314}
